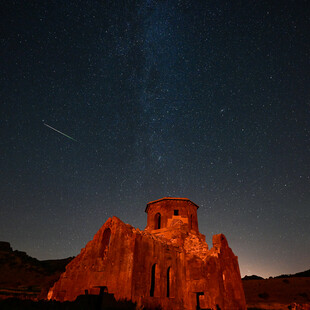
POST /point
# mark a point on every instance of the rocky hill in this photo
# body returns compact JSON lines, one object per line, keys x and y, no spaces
{"x":24,"y":276}
{"x":302,"y":274}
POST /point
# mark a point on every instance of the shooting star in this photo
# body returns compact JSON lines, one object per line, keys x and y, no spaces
{"x":60,"y":132}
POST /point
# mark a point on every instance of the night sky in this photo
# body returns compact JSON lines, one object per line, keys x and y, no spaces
{"x":207,"y":100}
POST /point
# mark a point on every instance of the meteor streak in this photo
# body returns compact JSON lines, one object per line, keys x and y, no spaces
{"x":60,"y":132}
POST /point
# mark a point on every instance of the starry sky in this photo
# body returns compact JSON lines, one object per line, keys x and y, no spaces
{"x":207,"y":100}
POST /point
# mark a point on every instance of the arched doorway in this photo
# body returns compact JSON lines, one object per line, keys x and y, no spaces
{"x":153,"y":271}
{"x":168,"y":282}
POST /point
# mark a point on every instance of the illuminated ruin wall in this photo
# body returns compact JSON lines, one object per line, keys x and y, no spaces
{"x":168,"y":264}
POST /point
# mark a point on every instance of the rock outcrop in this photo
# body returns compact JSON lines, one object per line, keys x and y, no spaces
{"x":168,"y":265}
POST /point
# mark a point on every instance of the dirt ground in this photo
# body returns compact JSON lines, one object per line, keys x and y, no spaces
{"x":277,"y":293}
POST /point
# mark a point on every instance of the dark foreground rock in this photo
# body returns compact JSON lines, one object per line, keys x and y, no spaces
{"x":84,"y":302}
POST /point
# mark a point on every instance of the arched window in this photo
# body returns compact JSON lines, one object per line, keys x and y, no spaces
{"x":105,"y":242}
{"x":153,"y":280}
{"x":168,"y":282}
{"x":157,"y":221}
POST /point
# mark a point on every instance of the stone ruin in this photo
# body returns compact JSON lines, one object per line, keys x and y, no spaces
{"x":166,"y":266}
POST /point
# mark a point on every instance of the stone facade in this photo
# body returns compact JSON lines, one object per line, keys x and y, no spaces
{"x":168,"y":265}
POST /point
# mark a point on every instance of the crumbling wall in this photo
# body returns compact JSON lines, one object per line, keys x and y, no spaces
{"x":172,"y":268}
{"x":100,"y":264}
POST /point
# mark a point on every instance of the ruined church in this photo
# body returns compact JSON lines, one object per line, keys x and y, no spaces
{"x":167,"y":266}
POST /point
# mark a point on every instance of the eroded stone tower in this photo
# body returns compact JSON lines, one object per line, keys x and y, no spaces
{"x":167,"y":213}
{"x":168,"y":265}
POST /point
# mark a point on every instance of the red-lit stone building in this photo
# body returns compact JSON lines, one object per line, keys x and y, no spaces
{"x":168,"y":265}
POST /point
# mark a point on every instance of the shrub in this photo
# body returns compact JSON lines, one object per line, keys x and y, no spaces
{"x":263,"y":295}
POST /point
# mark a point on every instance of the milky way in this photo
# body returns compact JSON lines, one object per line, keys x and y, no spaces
{"x":197,"y":99}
